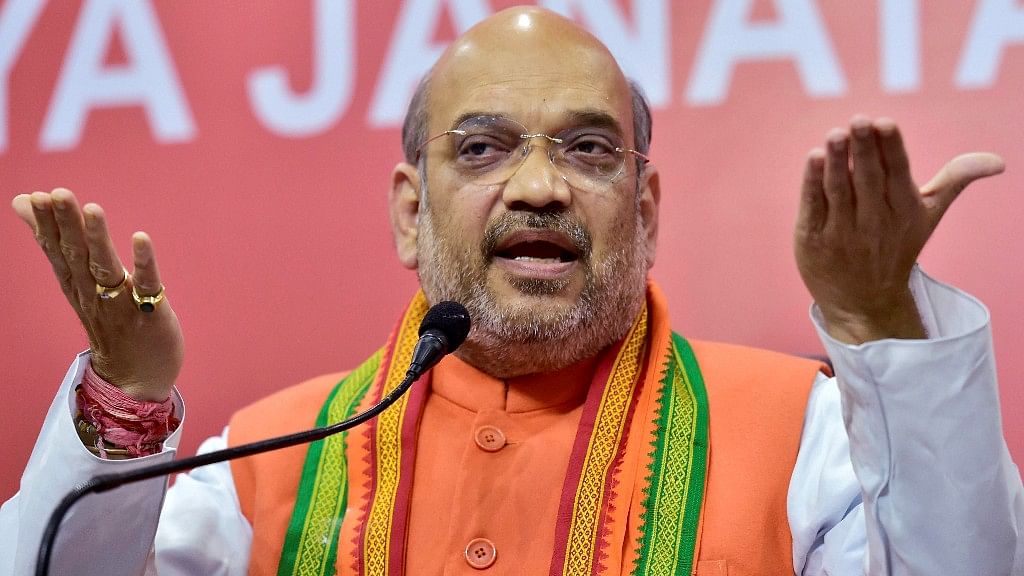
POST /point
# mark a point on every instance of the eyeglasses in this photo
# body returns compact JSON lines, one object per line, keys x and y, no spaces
{"x":488,"y":150}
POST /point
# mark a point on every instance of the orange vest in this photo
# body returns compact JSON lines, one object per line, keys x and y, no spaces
{"x":756,"y":401}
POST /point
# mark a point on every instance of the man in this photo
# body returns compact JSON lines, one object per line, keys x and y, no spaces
{"x":573,"y":433}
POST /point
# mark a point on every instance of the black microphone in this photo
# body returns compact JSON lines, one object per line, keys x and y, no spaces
{"x":444,"y":328}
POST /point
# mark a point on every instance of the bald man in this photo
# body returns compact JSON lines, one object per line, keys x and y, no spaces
{"x":574,"y":432}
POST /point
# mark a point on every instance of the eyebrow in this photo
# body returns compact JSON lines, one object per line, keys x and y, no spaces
{"x":587,"y":117}
{"x":595,"y":119}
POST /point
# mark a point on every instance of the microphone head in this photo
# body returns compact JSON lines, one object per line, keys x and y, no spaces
{"x":448,"y":318}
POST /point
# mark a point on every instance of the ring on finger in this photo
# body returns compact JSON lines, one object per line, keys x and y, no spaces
{"x":147,"y":304}
{"x":108,"y":293}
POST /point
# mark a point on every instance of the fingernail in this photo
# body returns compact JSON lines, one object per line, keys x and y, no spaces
{"x":58,"y":202}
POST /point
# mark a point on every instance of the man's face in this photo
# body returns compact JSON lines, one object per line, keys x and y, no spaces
{"x":551,"y":267}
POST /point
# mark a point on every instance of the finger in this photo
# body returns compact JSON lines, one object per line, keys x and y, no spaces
{"x":48,"y":238}
{"x":22,"y":204}
{"x":868,"y":177}
{"x":940,"y":192}
{"x":899,"y":184}
{"x":146,"y":276}
{"x":813,"y":205}
{"x":838,"y":191}
{"x":72,"y":242}
{"x":105,"y":266}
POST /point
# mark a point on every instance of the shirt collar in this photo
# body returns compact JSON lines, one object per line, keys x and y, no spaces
{"x":466,"y":386}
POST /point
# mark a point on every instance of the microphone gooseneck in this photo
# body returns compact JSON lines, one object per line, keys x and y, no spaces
{"x":444,"y":328}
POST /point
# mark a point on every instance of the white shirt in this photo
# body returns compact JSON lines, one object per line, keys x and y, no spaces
{"x":902,"y":470}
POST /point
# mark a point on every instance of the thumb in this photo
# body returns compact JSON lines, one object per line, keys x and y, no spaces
{"x":945,"y":186}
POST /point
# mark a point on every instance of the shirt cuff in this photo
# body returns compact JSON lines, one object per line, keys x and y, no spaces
{"x":68,"y":396}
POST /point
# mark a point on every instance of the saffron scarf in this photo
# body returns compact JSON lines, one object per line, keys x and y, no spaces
{"x":631,"y":499}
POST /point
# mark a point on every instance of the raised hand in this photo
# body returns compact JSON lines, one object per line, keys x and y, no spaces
{"x":140,"y":352}
{"x":863,"y":223}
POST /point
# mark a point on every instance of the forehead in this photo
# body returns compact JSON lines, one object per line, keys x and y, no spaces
{"x":542,"y":83}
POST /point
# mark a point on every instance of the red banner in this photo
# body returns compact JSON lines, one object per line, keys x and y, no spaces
{"x":254,"y":142}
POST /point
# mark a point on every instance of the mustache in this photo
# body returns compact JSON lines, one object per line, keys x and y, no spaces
{"x":563,"y":222}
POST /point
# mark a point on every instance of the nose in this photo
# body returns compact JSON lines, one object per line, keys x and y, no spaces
{"x":536,"y":183}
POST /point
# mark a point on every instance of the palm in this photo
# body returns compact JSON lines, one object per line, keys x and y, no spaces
{"x":861,"y":229}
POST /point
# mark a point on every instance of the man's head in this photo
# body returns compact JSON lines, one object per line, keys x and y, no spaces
{"x":546,"y":239}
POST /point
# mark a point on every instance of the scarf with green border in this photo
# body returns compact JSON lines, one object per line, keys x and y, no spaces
{"x":353,"y":497}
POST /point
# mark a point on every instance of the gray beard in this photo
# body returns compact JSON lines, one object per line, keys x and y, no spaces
{"x":515,"y":340}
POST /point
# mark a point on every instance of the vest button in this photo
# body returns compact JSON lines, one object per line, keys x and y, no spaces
{"x":481,"y":553}
{"x":489,"y":438}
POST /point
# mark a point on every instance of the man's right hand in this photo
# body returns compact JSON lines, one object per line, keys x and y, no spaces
{"x":139,"y":352}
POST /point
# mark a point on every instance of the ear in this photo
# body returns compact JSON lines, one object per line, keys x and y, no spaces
{"x":404,"y":210}
{"x":650,"y":197}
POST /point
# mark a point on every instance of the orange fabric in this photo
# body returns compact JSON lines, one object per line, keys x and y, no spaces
{"x":462,"y":491}
{"x":509,"y":496}
{"x":756,"y":416}
{"x":756,"y":402}
{"x":267,"y":484}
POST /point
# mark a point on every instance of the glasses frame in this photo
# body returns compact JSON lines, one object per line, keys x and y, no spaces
{"x":527,"y":147}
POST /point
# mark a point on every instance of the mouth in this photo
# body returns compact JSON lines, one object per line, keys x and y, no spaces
{"x":537,"y":253}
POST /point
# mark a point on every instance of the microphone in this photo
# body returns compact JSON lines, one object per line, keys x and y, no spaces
{"x":443,"y":329}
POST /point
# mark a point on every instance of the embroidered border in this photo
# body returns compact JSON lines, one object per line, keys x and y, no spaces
{"x":387,"y":430}
{"x":311,"y":543}
{"x":675,"y":491}
{"x":607,"y":431}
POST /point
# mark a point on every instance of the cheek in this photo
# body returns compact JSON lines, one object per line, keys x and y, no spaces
{"x":611,"y":223}
{"x":460,"y":215}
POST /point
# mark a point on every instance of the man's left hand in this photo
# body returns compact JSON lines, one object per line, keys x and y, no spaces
{"x":863,"y":222}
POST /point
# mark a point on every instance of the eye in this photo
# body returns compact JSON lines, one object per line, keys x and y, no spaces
{"x":591,"y":146}
{"x":476,"y":148}
{"x":481,"y":151}
{"x":591,"y":152}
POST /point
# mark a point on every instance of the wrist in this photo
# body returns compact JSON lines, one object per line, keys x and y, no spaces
{"x":899,"y":320}
{"x":142,"y":389}
{"x":113,"y":424}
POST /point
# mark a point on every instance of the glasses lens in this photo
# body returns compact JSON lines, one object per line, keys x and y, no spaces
{"x":486,"y":148}
{"x":591,"y":155}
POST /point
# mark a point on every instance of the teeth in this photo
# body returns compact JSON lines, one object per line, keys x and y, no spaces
{"x":536,"y":259}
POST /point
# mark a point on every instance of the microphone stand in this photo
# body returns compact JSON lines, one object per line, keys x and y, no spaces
{"x":105,"y":482}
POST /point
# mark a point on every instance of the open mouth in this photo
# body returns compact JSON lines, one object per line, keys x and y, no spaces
{"x":537,"y":251}
{"x":537,"y":246}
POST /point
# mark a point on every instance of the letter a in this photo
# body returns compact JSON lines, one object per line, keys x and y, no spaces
{"x":798,"y":35}
{"x":149,"y":80}
{"x":899,"y":27}
{"x":996,"y":24}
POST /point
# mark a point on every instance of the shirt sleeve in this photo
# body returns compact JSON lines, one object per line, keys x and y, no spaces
{"x":201,"y":527}
{"x":903,"y":468}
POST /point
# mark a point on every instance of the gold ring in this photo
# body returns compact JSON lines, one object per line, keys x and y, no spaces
{"x":147,"y":304}
{"x":105,"y":293}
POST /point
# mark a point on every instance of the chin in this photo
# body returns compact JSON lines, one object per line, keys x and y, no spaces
{"x":529,"y":333}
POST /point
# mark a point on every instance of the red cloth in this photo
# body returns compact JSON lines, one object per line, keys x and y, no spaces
{"x":122,"y":420}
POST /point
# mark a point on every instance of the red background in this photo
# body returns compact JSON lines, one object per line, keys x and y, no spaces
{"x":276,"y":250}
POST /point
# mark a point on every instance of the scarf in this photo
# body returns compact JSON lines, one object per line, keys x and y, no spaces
{"x":632,"y":495}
